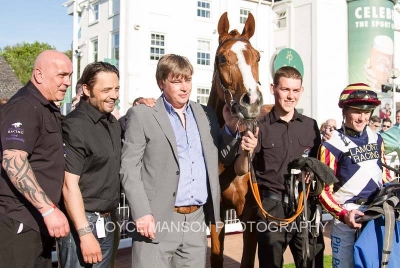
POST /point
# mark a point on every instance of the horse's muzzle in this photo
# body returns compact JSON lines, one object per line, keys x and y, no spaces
{"x":249,"y":110}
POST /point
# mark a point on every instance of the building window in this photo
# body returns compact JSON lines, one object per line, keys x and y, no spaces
{"x":203,"y":9}
{"x":115,"y":46}
{"x":94,"y":14}
{"x":157,"y":47}
{"x":203,"y":52}
{"x":113,"y":7}
{"x":95,"y":49}
{"x":202,"y":95}
{"x":281,"y":19}
{"x":244,"y":13}
{"x":114,"y":53}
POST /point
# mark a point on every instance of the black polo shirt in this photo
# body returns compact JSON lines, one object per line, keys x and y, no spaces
{"x":280,"y":142}
{"x":93,"y":151}
{"x":30,"y":123}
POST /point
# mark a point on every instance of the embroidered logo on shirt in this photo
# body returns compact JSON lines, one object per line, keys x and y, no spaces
{"x":14,"y":132}
{"x":16,"y":128}
{"x":17,"y":125}
{"x":364,"y":153}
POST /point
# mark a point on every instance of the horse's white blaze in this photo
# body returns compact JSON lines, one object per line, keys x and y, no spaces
{"x":248,"y":80}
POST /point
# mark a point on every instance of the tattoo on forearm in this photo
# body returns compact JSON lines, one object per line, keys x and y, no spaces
{"x":84,"y":231}
{"x":21,"y":175}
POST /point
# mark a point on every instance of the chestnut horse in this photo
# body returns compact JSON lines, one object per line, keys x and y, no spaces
{"x":235,"y":83}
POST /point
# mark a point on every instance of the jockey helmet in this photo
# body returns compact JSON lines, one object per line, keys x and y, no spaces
{"x":359,"y":96}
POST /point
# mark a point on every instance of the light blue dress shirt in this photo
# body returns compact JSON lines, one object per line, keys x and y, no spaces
{"x":192,"y":186}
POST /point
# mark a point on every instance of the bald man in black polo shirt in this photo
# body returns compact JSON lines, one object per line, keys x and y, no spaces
{"x":33,"y":165}
{"x":92,"y":138}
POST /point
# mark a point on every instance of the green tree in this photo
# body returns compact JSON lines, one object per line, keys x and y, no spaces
{"x":69,"y":54}
{"x":21,"y":58}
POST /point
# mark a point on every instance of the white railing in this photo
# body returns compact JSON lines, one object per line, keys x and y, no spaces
{"x":232,"y":222}
{"x":124,"y":213}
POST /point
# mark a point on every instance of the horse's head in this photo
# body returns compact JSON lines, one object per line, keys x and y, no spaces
{"x":236,"y":70}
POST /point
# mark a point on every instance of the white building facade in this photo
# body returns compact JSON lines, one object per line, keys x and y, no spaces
{"x":133,"y":35}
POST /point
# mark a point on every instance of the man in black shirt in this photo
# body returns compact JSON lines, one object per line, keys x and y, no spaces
{"x":284,"y":135}
{"x":33,"y":165}
{"x":92,"y":160}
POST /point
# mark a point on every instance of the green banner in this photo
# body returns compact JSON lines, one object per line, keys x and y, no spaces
{"x":370,"y":41}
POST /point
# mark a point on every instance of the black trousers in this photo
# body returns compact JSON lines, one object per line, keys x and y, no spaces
{"x":26,"y":249}
{"x":273,"y":239}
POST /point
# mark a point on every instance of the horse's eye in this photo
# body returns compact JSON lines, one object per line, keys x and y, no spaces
{"x":221,"y":59}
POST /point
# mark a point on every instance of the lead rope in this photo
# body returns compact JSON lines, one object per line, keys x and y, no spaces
{"x":256,"y":193}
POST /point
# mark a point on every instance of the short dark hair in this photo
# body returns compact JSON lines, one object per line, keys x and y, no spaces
{"x":136,"y":100}
{"x":287,"y":72}
{"x":78,"y":87}
{"x":374,"y":119}
{"x":386,"y":120}
{"x":89,"y":75}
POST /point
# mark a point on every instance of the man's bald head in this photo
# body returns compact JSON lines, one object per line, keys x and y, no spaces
{"x":330,"y":124}
{"x":51,"y":74}
{"x":48,"y":58}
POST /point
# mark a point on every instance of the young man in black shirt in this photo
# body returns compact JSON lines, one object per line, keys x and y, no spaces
{"x":284,"y":135}
{"x":92,"y":160}
{"x":33,"y":165}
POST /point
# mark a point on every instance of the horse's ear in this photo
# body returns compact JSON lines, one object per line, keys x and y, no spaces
{"x":223,"y":24}
{"x":249,"y":27}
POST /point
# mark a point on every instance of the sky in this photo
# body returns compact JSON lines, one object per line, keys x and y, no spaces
{"x":36,"y":20}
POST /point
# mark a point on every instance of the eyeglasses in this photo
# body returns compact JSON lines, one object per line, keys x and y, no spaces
{"x":378,"y":126}
{"x":386,"y":126}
